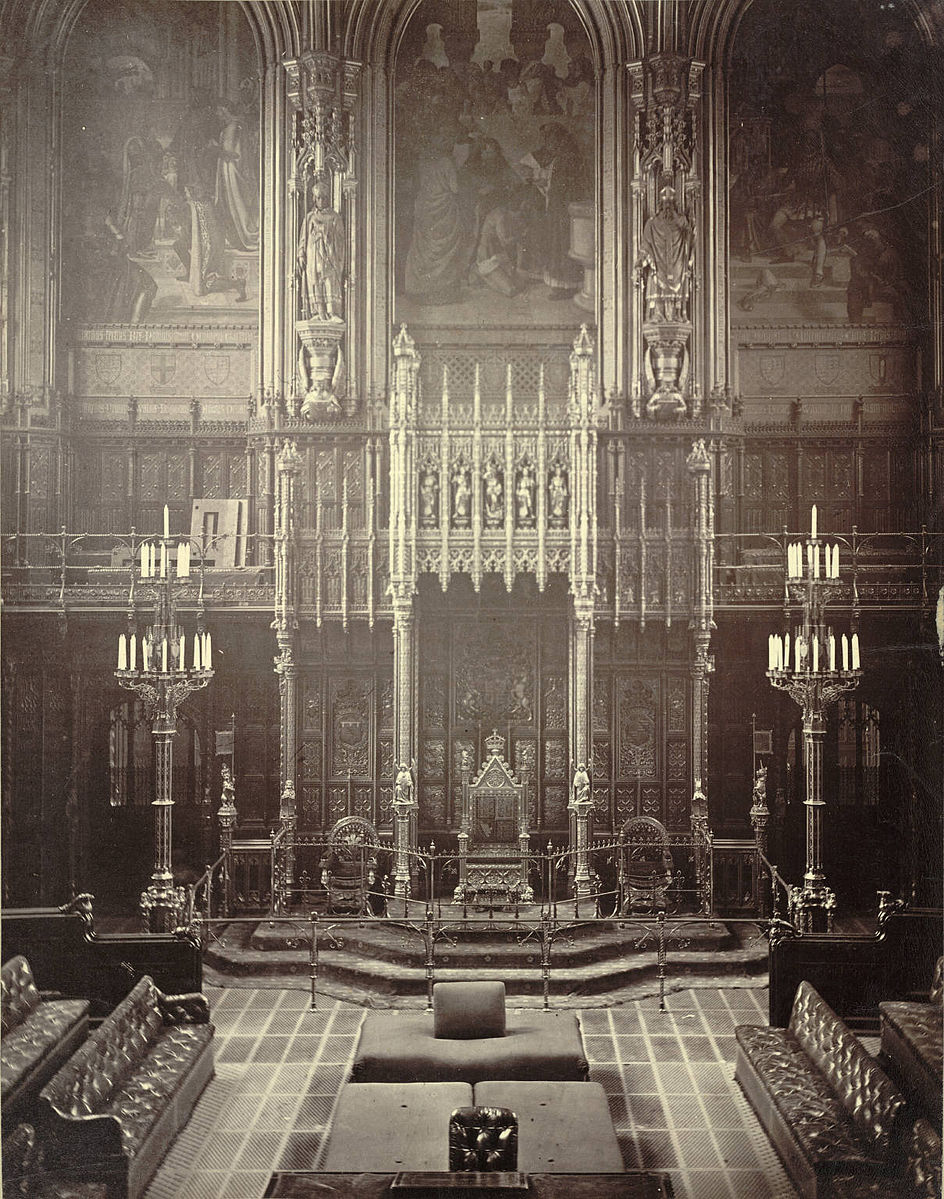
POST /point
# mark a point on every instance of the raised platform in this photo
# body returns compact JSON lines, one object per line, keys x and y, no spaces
{"x":381,"y":961}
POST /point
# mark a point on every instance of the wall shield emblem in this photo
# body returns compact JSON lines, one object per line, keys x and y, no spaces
{"x":216,"y":368}
{"x":106,"y":366}
{"x":827,"y":367}
{"x":878,"y":368}
{"x":163,"y":364}
{"x":772,"y":368}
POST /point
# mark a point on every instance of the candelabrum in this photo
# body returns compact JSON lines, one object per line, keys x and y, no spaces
{"x":814,"y":667}
{"x":155,"y":667}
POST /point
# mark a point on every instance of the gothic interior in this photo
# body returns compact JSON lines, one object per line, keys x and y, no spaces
{"x":471,"y":460}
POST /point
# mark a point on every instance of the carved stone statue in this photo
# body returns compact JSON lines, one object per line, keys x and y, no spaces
{"x":320,"y":258}
{"x":228,"y":798}
{"x":429,"y":499}
{"x":665,"y":261}
{"x":580,"y":788}
{"x":524,"y":495}
{"x":403,"y":786}
{"x":494,"y":496}
{"x":557,"y":495}
{"x":461,"y":499}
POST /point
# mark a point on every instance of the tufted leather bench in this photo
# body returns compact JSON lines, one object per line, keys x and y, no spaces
{"x":825,"y":1104}
{"x":37,"y":1036}
{"x":114,"y":1108}
{"x":913,"y":1045}
{"x":920,"y":1179}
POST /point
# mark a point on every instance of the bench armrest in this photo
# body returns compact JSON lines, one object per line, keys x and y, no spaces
{"x":192,"y":1008}
{"x":79,"y":1139}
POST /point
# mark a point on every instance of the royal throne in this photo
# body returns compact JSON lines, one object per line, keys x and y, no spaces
{"x":493,"y":833}
{"x":348,"y":869}
{"x":646,"y":867}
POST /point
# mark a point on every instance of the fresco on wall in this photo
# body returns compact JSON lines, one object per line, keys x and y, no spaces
{"x":828,"y":165}
{"x":160,"y":180}
{"x":494,"y":118}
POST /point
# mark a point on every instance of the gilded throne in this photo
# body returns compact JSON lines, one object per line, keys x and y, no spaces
{"x":493,"y":834}
{"x":646,"y":865}
{"x":349,"y":868}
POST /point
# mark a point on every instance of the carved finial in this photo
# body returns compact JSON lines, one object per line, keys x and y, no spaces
{"x":403,"y":343}
{"x":583,"y":342}
{"x":495,"y":744}
{"x":698,"y":459}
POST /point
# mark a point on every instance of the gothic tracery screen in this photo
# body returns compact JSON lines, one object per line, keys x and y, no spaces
{"x":494,"y":191}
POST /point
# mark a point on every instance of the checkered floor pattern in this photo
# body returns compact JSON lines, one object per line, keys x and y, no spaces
{"x":668,"y":1076}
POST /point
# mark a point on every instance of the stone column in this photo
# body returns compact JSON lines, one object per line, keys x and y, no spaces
{"x":285,"y":624}
{"x":404,"y":692}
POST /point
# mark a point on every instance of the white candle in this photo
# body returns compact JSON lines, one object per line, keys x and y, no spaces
{"x":182,"y":653}
{"x":816,"y":562}
{"x":796,"y":653}
{"x":209,"y":650}
{"x":167,"y":521}
{"x":150,"y":560}
{"x":163,"y":559}
{"x":832,"y":654}
{"x":183,"y":560}
{"x":164,"y":655}
{"x":793,"y":560}
{"x":146,"y":654}
{"x":856,"y":664}
{"x":196,"y":651}
{"x":785,"y":661}
{"x":780,"y":653}
{"x":122,"y":652}
{"x":813,"y":522}
{"x":133,"y":653}
{"x":845,"y":652}
{"x":143,"y":559}
{"x":770,"y":651}
{"x":815,"y":654}
{"x":809,"y":559}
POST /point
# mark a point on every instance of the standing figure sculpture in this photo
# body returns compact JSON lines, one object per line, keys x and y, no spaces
{"x":665,"y":261}
{"x":403,"y":787}
{"x":319,"y":262}
{"x":580,"y":790}
{"x":557,"y":496}
{"x":524,"y":493}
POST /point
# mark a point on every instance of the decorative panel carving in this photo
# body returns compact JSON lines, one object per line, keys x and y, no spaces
{"x":677,"y":760}
{"x":311,"y":703}
{"x":462,"y":749}
{"x":433,"y":805}
{"x":601,"y":705}
{"x":675,"y":705}
{"x":524,"y":758}
{"x":625,"y":803}
{"x":555,"y":707}
{"x":177,"y":476}
{"x":753,"y":475}
{"x":555,"y":807}
{"x":637,"y":728}
{"x":311,"y":758}
{"x":678,"y":811}
{"x":600,"y":766}
{"x":150,"y":476}
{"x":842,"y":475}
{"x":237,"y":475}
{"x":652,"y":801}
{"x":434,"y":699}
{"x":386,"y":704}
{"x":434,"y":759}
{"x":212,"y":474}
{"x":350,"y":726}
{"x":555,"y":759}
{"x":386,"y":758}
{"x":494,"y":673}
{"x":814,"y":470}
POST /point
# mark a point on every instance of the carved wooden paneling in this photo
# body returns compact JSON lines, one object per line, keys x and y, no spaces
{"x":432,"y":805}
{"x":434,"y":699}
{"x":434,"y":758}
{"x":636,"y":729}
{"x":555,"y":807}
{"x":350,"y":727}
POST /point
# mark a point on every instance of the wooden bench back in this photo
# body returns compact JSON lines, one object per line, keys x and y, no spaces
{"x":870,"y":1097}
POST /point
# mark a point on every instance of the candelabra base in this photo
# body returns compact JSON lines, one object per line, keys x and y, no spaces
{"x":163,"y":907}
{"x":812,"y":907}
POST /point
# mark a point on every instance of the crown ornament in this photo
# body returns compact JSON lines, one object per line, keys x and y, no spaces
{"x":495,"y":744}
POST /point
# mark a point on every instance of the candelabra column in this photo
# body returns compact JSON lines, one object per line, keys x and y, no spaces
{"x":814,"y":734}
{"x":404,"y":690}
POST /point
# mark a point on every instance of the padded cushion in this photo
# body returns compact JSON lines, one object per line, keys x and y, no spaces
{"x":400,"y":1047}
{"x":36,"y":1038}
{"x":469,"y":1010}
{"x":382,"y":1129}
{"x":563,"y":1127}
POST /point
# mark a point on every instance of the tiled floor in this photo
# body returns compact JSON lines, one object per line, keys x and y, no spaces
{"x":668,"y":1076}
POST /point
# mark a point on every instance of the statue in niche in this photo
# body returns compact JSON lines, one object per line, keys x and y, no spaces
{"x":494,"y":496}
{"x":461,"y":498}
{"x":429,"y":499}
{"x":524,"y":495}
{"x":580,"y":788}
{"x":557,"y":494}
{"x":319,"y":261}
{"x":665,"y":261}
{"x":403,"y":786}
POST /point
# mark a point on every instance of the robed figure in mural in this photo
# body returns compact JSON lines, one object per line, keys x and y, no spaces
{"x":665,"y":260}
{"x":236,"y":187}
{"x":441,"y":246}
{"x":320,"y":258}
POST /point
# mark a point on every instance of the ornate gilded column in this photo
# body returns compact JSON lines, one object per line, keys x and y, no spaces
{"x":285,"y":624}
{"x":402,"y":551}
{"x":583,"y":556}
{"x":226,"y":815}
{"x":323,"y":89}
{"x":699,"y":466}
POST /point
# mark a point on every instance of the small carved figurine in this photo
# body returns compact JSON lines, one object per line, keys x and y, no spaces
{"x":403,"y":787}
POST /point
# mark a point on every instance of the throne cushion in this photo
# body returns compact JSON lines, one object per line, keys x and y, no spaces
{"x":468,"y":1010}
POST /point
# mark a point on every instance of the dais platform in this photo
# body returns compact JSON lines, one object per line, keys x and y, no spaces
{"x":379,"y":961}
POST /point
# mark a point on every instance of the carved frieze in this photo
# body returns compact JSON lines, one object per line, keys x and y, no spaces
{"x":434,"y":758}
{"x":350,"y":725}
{"x":636,"y":728}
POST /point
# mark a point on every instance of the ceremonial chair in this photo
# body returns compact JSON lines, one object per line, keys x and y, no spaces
{"x":349,"y":868}
{"x":646,"y":867}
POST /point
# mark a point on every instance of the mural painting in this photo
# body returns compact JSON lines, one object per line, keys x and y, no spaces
{"x":160,"y":207}
{"x":828,"y":165}
{"x":495,"y":105}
